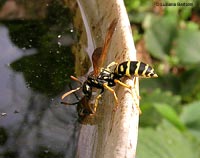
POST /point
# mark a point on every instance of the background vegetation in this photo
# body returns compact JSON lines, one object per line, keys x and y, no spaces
{"x":168,"y":38}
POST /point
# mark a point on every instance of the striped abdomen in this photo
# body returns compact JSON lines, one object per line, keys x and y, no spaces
{"x":135,"y":68}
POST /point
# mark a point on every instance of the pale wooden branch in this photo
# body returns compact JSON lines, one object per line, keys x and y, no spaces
{"x":115,"y":133}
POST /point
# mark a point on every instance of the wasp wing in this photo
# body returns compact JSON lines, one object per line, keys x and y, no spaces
{"x":99,"y":54}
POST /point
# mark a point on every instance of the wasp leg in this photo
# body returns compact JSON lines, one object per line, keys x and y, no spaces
{"x":96,"y":103}
{"x":122,"y":84}
{"x":128,"y":86}
{"x":137,"y":93}
{"x":113,"y":92}
{"x":93,"y":110}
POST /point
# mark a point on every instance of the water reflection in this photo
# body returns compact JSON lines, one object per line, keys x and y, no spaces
{"x":32,"y":122}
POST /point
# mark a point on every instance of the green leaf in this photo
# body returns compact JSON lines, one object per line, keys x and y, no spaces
{"x":170,"y":114}
{"x":188,"y":46}
{"x":191,"y":90}
{"x":159,"y":36}
{"x":168,"y":82}
{"x":159,"y":96}
{"x":148,"y":101}
{"x":192,"y":26}
{"x":191,"y":117}
{"x":165,"y":141}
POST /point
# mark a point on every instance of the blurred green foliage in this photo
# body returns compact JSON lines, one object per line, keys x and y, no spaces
{"x":170,"y":123}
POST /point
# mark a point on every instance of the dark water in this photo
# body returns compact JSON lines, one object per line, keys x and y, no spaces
{"x":35,"y":64}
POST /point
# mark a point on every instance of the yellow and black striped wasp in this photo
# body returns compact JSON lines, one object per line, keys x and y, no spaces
{"x":105,"y":78}
{"x":84,"y":106}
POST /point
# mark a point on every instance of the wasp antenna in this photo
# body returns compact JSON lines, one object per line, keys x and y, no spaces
{"x":66,"y":103}
{"x":70,"y":92}
{"x":70,"y":86}
{"x":75,"y":79}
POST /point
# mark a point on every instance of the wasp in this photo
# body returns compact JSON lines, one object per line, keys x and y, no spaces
{"x":105,"y":78}
{"x":108,"y":78}
{"x":93,"y":80}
